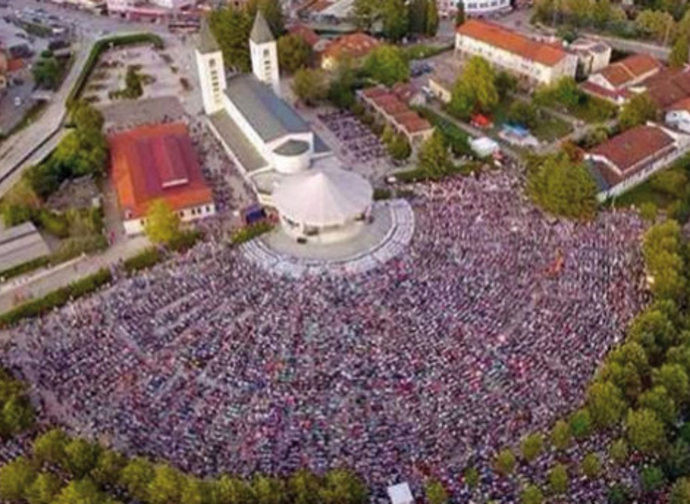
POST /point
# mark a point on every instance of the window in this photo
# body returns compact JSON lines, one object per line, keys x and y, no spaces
{"x":266,"y":53}
{"x":212,"y":62}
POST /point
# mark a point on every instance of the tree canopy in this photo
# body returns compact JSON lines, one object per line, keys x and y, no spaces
{"x":387,"y":65}
{"x":162,"y":223}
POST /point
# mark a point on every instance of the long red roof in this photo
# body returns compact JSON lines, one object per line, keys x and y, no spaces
{"x":511,"y":41}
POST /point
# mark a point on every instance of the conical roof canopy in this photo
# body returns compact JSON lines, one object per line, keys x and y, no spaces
{"x":323,"y":196}
{"x":261,"y":32}
{"x":207,"y":42}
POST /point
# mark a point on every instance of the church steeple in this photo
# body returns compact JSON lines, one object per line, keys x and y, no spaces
{"x":264,"y":53}
{"x":209,"y":61}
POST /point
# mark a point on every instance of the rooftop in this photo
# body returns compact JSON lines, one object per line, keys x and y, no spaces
{"x":261,"y":32}
{"x":631,"y":147}
{"x":511,"y":41}
{"x":354,"y":45}
{"x":269,"y":115}
{"x":630,"y":70}
{"x":153,"y":162}
{"x":207,"y":42}
{"x":21,"y":244}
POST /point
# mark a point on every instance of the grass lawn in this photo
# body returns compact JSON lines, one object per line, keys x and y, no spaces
{"x":644,"y":193}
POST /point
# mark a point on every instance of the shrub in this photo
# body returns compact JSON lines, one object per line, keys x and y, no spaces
{"x":532,"y":446}
{"x":144,"y":259}
{"x":250,"y":232}
{"x":590,"y":465}
{"x":580,"y":423}
{"x":505,"y":461}
{"x":56,"y":298}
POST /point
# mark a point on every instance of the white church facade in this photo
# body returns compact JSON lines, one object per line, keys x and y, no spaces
{"x":273,"y":145}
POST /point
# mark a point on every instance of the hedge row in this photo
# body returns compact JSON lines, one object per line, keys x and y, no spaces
{"x":20,"y":269}
{"x":144,"y":259}
{"x":102,"y":45}
{"x":56,"y":298}
{"x":250,"y":232}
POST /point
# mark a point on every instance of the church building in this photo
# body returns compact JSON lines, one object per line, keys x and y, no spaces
{"x":259,"y":130}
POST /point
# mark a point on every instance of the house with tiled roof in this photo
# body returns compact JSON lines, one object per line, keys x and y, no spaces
{"x":618,"y":81}
{"x":354,"y":45}
{"x":391,"y":107}
{"x":157,"y":162}
{"x":634,"y":155}
{"x":531,"y":60}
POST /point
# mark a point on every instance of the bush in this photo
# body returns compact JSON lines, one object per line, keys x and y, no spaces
{"x":505,"y":461}
{"x":580,"y":423}
{"x":652,"y":478}
{"x":184,"y":241}
{"x":142,"y":260}
{"x":53,"y":223}
{"x":56,"y":298}
{"x":24,"y":268}
{"x":248,"y":233}
{"x":532,"y":446}
{"x":590,"y":465}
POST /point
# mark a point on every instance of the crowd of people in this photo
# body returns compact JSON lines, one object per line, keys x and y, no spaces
{"x":357,"y":139}
{"x":487,"y":328}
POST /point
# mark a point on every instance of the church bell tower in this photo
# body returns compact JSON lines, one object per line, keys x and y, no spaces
{"x":264,"y":53}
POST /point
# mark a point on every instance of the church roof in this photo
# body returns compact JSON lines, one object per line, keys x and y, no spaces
{"x":207,"y":42}
{"x":323,"y":196}
{"x":266,"y":112}
{"x":261,"y":32}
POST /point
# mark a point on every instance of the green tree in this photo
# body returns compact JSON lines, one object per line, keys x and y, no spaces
{"x":433,"y":159}
{"x":46,"y":73}
{"x":648,"y":211}
{"x":435,"y":493}
{"x":108,"y":467}
{"x":166,"y":485}
{"x":310,"y":86}
{"x":558,"y":479}
{"x":660,"y":402}
{"x":16,"y":416}
{"x":580,"y":423}
{"x":193,"y":491}
{"x":365,"y":13}
{"x":82,"y":491}
{"x":674,"y":379}
{"x":293,"y":53}
{"x":654,"y":332}
{"x":15,"y":479}
{"x":341,"y":90}
{"x":303,"y":487}
{"x":395,"y":20}
{"x":475,"y":88}
{"x":342,"y":487}
{"x":563,"y":187}
{"x":561,"y":435}
{"x":43,"y":489}
{"x":618,"y":451}
{"x":136,"y":476}
{"x":601,"y":14}
{"x":460,"y":14}
{"x":679,"y":53}
{"x":399,"y":148}
{"x":605,"y":404}
{"x":590,"y":465}
{"x":680,"y":492}
{"x":231,"y":28}
{"x":267,"y":490}
{"x":656,"y":24}
{"x":471,"y":475}
{"x":386,"y":64}
{"x":524,"y":113}
{"x":229,"y":490}
{"x":652,"y":478}
{"x":81,"y":457}
{"x":640,"y":109}
{"x":162,"y":224}
{"x":417,"y":10}
{"x":49,"y":448}
{"x":531,"y":494}
{"x":676,"y":463}
{"x":505,"y":461}
{"x":432,"y":20}
{"x":532,"y":446}
{"x":661,"y":248}
{"x":645,"y":431}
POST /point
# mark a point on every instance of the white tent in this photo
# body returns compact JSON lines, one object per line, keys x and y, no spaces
{"x":322,"y":197}
{"x":400,"y":494}
{"x":484,"y":146}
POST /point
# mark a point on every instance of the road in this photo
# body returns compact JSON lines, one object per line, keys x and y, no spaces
{"x":519,"y":20}
{"x":34,"y":142}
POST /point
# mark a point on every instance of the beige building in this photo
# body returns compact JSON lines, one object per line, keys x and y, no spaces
{"x":532,"y":61}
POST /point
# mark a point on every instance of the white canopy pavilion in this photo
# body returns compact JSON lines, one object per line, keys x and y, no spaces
{"x":324,"y":204}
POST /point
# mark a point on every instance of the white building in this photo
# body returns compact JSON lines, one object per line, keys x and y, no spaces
{"x":481,"y":8}
{"x":275,"y":148}
{"x":592,"y":55}
{"x":678,"y":115}
{"x":533,"y":61}
{"x":633,"y":156}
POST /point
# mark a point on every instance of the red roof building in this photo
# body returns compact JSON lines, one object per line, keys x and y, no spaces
{"x":354,"y":45}
{"x":157,"y":162}
{"x":615,"y":81}
{"x":633,"y":156}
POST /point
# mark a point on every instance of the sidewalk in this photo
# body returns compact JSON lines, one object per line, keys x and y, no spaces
{"x":42,"y":282}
